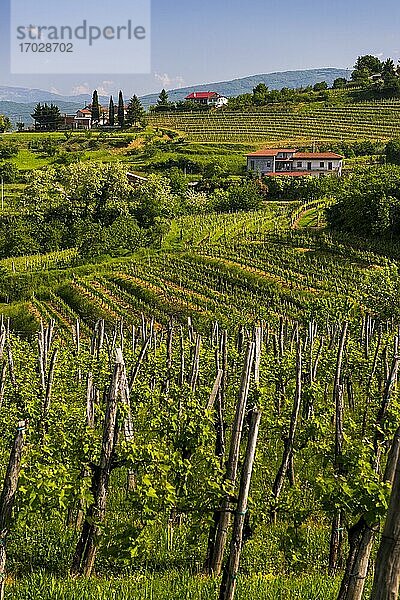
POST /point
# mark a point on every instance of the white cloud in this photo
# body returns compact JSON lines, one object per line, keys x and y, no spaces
{"x":104,"y":88}
{"x":81,"y":88}
{"x":168,"y":81}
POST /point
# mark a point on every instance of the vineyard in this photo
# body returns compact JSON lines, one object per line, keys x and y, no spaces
{"x":212,"y":418}
{"x":239,"y":267}
{"x":363,"y":121}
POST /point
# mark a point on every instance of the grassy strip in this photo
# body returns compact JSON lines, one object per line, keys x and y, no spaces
{"x":172,"y":586}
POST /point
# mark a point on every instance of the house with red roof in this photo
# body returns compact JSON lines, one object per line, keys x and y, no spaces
{"x":83,"y":118}
{"x":212,"y":99}
{"x":292,"y":163}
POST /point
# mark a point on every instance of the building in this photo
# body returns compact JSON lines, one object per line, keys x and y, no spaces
{"x":212,"y":99}
{"x":82,"y":119}
{"x":283,"y":161}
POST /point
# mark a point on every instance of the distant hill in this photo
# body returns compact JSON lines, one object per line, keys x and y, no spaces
{"x":18,"y":103}
{"x":17,"y":111}
{"x":274,"y":81}
{"x":27,"y":95}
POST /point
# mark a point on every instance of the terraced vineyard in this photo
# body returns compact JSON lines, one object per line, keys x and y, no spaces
{"x":232,"y":268}
{"x":364,"y":121}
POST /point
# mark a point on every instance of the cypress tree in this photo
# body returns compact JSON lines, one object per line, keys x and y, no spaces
{"x":111,"y":112}
{"x":95,"y":107}
{"x":121,"y":110}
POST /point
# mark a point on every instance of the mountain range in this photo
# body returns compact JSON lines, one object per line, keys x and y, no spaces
{"x":245,"y":85}
{"x":18,"y":103}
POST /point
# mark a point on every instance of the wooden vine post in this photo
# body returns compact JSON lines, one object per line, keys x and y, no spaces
{"x":8,"y":497}
{"x":362,"y":534}
{"x":229,"y":579}
{"x":289,"y":441}
{"x":217,"y":557}
{"x":337,"y":522}
{"x":387,"y":570}
{"x":86,"y":548}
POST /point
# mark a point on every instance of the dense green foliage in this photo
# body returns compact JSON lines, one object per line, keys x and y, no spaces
{"x":47,"y":117}
{"x":135,"y":113}
{"x":95,"y":108}
{"x":121,"y":110}
{"x":370,"y":71}
{"x":5,"y":124}
{"x":392,"y":152}
{"x":369,"y":202}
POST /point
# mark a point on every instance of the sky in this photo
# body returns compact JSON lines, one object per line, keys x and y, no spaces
{"x":204,"y":41}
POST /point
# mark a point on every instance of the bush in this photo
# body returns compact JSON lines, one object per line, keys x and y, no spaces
{"x":8,"y":150}
{"x":8,"y":172}
{"x":392,"y":152}
{"x":369,"y":202}
{"x":243,"y":196}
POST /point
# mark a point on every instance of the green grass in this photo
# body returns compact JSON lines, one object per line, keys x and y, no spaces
{"x":26,"y":160}
{"x":311,"y":218}
{"x":172,"y":586}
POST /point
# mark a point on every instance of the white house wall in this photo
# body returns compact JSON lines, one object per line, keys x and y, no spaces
{"x":316,"y":164}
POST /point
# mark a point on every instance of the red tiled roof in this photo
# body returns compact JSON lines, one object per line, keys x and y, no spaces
{"x":271,"y":152}
{"x":317,"y":155}
{"x":202,"y":95}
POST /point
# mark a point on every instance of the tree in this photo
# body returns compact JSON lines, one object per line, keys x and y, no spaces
{"x":5,"y":124}
{"x":244,"y":196}
{"x":392,"y":152}
{"x":340,"y":83}
{"x":8,"y":150}
{"x":121,"y":110}
{"x":368,"y":203}
{"x":95,"y":108}
{"x":320,"y":86}
{"x":46,"y":117}
{"x":155,"y":203}
{"x":163,"y":101}
{"x":135,"y":114}
{"x":260,"y":94}
{"x":388,"y":68}
{"x":111,"y":112}
{"x":366,"y":67}
{"x":8,"y":172}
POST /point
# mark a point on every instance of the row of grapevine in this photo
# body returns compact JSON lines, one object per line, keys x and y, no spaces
{"x":366,"y":121}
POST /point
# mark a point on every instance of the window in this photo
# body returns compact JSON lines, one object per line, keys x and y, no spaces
{"x":299,"y":164}
{"x":309,"y":166}
{"x":330,"y":166}
{"x":322,"y":165}
{"x":252,"y":165}
{"x":269,"y":163}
